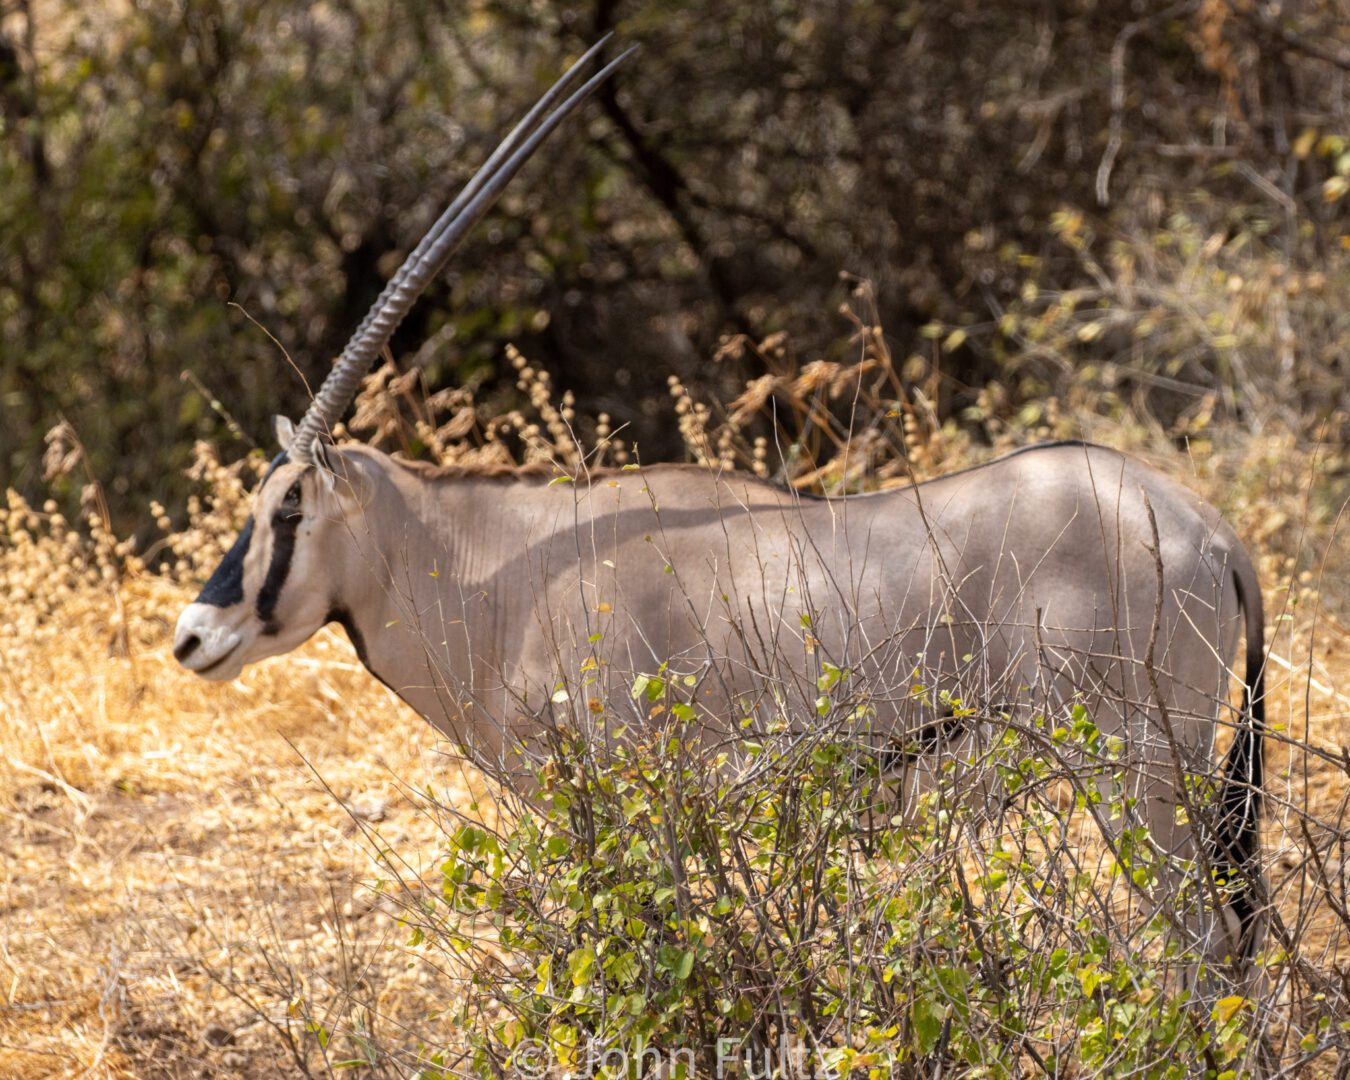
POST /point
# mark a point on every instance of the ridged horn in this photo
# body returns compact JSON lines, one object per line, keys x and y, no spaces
{"x":440,"y":242}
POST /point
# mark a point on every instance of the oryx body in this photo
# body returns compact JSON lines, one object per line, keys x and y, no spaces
{"x":1032,"y":579}
{"x":1057,"y":576}
{"x":473,"y":592}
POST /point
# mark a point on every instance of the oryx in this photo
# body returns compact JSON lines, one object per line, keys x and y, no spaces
{"x":1067,"y":571}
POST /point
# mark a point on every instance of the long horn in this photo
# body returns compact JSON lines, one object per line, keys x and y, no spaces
{"x":431,"y":254}
{"x":508,"y":146}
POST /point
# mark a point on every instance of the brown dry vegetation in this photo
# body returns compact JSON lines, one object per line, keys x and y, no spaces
{"x":193,"y":875}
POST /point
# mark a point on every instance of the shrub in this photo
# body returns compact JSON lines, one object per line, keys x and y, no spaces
{"x":780,"y":901}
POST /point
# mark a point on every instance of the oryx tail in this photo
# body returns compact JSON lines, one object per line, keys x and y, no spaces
{"x":1238,"y":843}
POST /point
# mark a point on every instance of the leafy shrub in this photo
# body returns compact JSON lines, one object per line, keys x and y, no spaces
{"x":655,"y":899}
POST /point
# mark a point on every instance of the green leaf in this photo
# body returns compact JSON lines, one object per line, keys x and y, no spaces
{"x":650,"y":686}
{"x":679,"y":962}
{"x":580,"y":963}
{"x":927,"y":1018}
{"x":830,"y":676}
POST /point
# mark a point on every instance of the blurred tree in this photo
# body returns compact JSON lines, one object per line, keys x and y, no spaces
{"x":183,"y":181}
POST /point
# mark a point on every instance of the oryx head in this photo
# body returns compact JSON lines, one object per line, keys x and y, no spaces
{"x":270,"y":592}
{"x":276,"y":586}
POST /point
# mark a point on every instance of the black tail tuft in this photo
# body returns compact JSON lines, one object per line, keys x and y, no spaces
{"x":1238,"y":842}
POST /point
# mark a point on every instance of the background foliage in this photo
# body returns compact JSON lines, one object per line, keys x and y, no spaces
{"x":1145,"y":196}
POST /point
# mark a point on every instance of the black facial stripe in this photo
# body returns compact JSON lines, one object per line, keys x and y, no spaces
{"x":225,"y":587}
{"x":285,"y":523}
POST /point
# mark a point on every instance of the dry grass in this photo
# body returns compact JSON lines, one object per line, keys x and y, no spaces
{"x":188,"y":870}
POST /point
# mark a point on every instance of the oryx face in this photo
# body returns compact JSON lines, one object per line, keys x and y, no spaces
{"x":269,"y":593}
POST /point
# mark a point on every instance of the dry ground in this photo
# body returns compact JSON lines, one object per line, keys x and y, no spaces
{"x":192,"y":873}
{"x":188,"y":871}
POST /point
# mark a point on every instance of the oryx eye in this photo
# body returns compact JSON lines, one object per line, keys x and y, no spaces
{"x":288,"y":511}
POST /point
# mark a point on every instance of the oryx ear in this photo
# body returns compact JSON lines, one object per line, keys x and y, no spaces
{"x":283,"y":430}
{"x":341,"y":473}
{"x":326,"y":463}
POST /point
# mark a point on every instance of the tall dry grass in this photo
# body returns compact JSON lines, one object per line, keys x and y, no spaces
{"x":181,"y":888}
